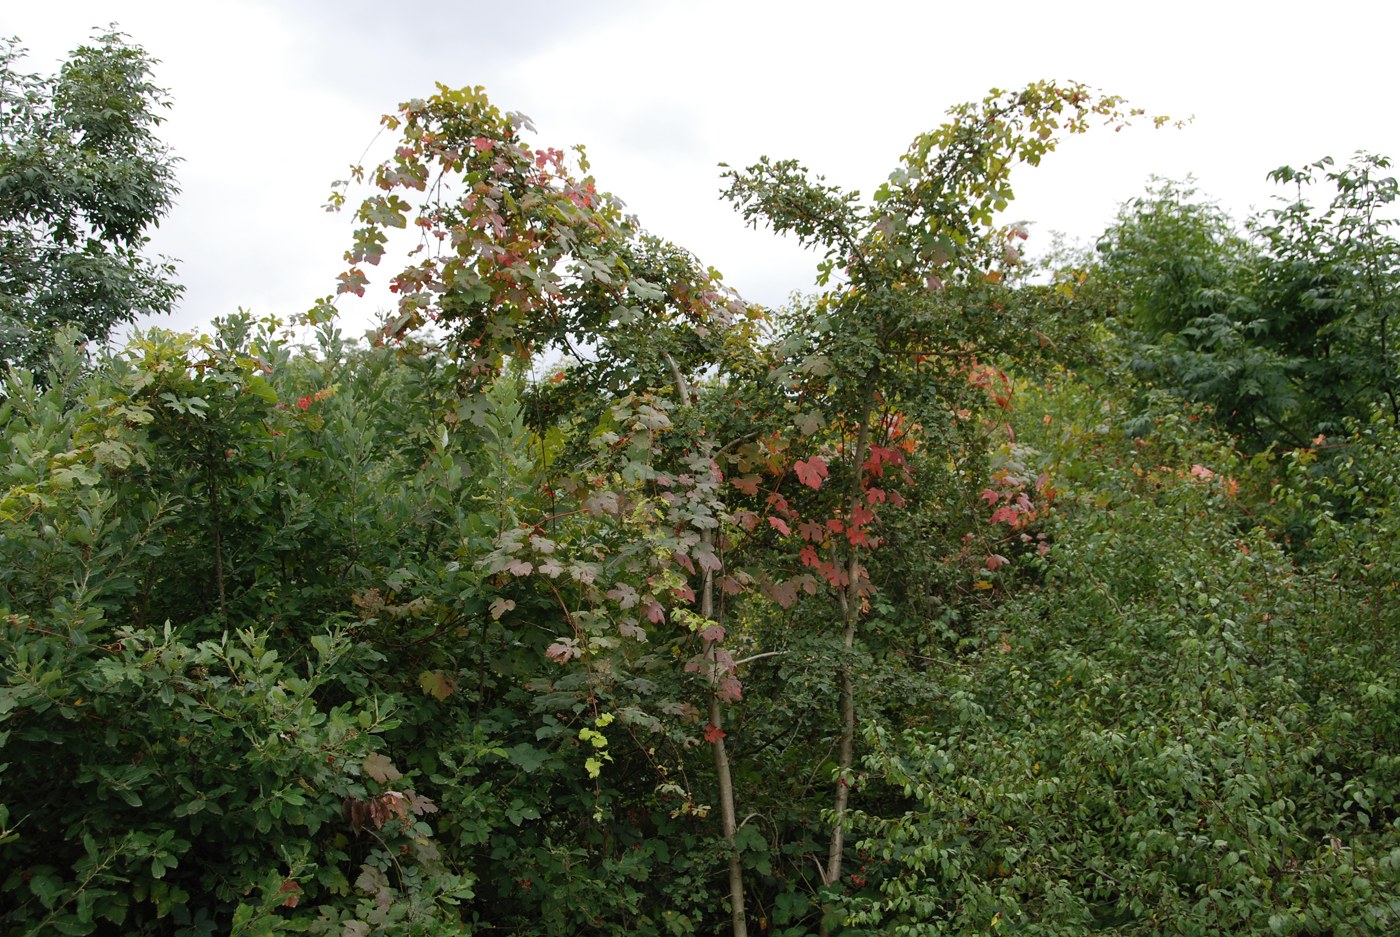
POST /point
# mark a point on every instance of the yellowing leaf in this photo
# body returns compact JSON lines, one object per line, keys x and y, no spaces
{"x":437,"y":683}
{"x":380,"y":768}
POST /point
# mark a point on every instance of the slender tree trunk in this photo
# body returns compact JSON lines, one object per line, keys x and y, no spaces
{"x":849,"y":599}
{"x":728,"y":815}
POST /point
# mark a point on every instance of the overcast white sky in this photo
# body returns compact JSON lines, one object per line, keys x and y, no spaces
{"x":273,"y":100}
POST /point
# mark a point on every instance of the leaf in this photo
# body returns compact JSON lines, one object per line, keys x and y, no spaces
{"x":784,"y":593}
{"x":706,"y":557}
{"x":779,"y":525}
{"x":527,"y":757}
{"x":807,"y":423}
{"x":563,"y":650}
{"x":624,"y":595}
{"x":748,"y":484}
{"x":437,"y":683}
{"x":713,"y":733}
{"x":380,"y":768}
{"x":500,"y":606}
{"x":811,"y":472}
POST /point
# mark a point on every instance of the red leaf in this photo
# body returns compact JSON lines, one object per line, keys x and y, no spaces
{"x":861,"y":516}
{"x":996,"y":561}
{"x":779,"y":525}
{"x":713,"y":733}
{"x":837,"y":577}
{"x":875,"y":495}
{"x":990,"y":496}
{"x":810,"y":530}
{"x":1007,"y":513}
{"x":809,"y":556}
{"x":812,"y":472}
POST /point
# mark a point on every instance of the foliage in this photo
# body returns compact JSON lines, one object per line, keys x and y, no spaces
{"x":1177,"y":731}
{"x":1286,"y":329}
{"x":587,"y":598}
{"x":83,"y":177}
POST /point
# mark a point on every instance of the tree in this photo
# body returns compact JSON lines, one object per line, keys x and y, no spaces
{"x":691,"y":427}
{"x":1284,"y":328}
{"x":83,"y":178}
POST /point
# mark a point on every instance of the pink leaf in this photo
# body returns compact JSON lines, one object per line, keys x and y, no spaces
{"x":563,"y":650}
{"x":812,"y":472}
{"x":779,"y":525}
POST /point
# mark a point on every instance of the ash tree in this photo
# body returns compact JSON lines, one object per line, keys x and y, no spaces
{"x":83,"y":179}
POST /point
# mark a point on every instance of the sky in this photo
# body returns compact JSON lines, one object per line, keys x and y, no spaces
{"x":272,"y":101}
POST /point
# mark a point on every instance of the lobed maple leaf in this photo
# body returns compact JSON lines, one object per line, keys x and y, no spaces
{"x":811,"y":472}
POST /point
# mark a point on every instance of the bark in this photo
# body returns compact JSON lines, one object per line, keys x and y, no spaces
{"x":849,"y":600}
{"x":728,"y":815}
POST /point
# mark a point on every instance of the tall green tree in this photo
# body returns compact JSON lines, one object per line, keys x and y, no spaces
{"x":1283,"y":326}
{"x":83,"y":179}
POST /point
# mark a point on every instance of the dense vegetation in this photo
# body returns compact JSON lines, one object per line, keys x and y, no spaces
{"x":585,"y":597}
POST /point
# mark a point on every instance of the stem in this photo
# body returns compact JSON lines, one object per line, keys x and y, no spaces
{"x":728,"y":815}
{"x":850,"y":612}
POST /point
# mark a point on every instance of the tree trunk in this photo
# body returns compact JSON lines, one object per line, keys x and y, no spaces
{"x":728,"y":815}
{"x":849,"y":599}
